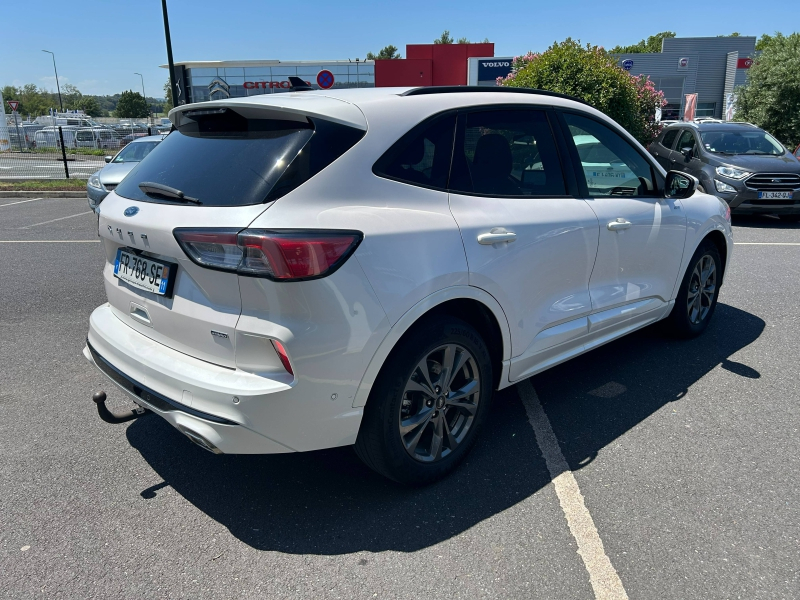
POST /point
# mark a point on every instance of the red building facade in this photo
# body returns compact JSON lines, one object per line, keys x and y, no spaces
{"x":430,"y":64}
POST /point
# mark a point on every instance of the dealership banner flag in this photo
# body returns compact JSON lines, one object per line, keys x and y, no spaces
{"x":690,"y":107}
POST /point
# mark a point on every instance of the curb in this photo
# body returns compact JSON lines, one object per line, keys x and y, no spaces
{"x":42,"y":194}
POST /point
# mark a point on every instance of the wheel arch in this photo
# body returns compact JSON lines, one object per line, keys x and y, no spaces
{"x":716,"y":237}
{"x":475,"y":306}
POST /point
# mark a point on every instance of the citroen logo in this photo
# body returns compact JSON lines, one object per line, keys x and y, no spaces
{"x":130,"y":211}
{"x":219,"y":86}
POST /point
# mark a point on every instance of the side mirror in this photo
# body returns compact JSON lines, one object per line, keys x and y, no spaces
{"x":687,"y":151}
{"x":680,"y":185}
{"x":108,"y":159}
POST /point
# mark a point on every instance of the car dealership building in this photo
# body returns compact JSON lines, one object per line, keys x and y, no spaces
{"x":710,"y":67}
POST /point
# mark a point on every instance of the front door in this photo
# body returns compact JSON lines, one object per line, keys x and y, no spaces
{"x":642,"y":233}
{"x":662,"y":149}
{"x":529,"y":243}
{"x":689,"y":162}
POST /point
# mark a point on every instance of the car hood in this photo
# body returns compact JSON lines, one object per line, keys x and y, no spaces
{"x":113,"y":173}
{"x":759,"y":163}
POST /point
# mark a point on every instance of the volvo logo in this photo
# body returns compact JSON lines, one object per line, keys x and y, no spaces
{"x":130,"y":211}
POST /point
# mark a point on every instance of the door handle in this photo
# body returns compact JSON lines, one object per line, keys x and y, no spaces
{"x":619,"y":225}
{"x":496,"y":236}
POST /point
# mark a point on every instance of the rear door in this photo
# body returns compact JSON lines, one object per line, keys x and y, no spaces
{"x":662,"y":148}
{"x":231,"y":164}
{"x":530,"y":242}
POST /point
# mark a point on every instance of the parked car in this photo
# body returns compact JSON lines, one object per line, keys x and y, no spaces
{"x":48,"y":137}
{"x":281,"y":277}
{"x":97,"y":138}
{"x":743,"y":165}
{"x":106,"y":179}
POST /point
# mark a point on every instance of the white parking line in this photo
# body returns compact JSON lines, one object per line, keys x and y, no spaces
{"x":604,"y":579}
{"x":766,"y":243}
{"x":59,"y":219}
{"x":21,"y":202}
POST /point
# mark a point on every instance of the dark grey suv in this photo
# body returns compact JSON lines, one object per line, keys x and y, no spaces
{"x":738,"y":162}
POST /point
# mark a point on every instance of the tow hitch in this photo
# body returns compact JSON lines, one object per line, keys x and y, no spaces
{"x":108,"y":416}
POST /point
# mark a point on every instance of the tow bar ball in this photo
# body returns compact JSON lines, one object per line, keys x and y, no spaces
{"x":108,"y":416}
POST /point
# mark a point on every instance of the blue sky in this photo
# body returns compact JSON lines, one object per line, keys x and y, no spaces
{"x":99,"y":44}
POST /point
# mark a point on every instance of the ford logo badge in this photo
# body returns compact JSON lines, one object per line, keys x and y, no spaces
{"x":130,"y":211}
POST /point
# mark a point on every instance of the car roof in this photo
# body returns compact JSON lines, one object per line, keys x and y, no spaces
{"x":715,"y":126}
{"x":347,"y":106}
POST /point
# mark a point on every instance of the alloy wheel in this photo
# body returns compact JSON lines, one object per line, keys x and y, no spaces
{"x":702,"y":287}
{"x":439,"y":403}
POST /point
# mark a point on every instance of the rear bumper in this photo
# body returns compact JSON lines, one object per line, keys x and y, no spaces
{"x":170,"y":384}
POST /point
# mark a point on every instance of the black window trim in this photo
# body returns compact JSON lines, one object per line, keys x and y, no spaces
{"x":573,"y":152}
{"x":571,"y":182}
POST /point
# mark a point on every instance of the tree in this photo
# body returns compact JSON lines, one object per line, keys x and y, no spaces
{"x":650,"y":45}
{"x":168,"y":105}
{"x":592,"y":74}
{"x":463,"y":40}
{"x":444,"y":38}
{"x":131,"y":105}
{"x":90,"y":106}
{"x":764,"y":41}
{"x":387,"y":52}
{"x":770,"y":98}
{"x":734,"y":34}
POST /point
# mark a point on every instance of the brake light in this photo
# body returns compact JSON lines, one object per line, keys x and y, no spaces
{"x":280,"y":255}
{"x":283,"y":356}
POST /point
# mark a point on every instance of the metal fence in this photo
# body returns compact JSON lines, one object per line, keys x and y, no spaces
{"x":64,"y":152}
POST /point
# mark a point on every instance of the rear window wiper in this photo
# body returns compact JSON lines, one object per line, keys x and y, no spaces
{"x":164,"y":191}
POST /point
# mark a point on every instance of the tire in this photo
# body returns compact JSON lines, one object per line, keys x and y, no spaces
{"x":399,"y":398}
{"x":689,"y":321}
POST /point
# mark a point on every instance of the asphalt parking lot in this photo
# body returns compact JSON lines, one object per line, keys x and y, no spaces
{"x":685,"y":455}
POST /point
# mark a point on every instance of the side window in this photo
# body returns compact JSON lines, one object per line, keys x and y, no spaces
{"x":507,"y":152}
{"x":686,"y":141}
{"x":610,"y":165}
{"x":422,"y":156}
{"x":669,"y":138}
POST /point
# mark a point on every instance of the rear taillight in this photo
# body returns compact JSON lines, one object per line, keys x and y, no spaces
{"x":280,"y":255}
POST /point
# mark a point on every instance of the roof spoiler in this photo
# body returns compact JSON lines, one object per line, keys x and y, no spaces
{"x":298,"y":85}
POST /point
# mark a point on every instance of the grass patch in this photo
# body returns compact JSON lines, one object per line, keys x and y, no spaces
{"x":35,"y":185}
{"x":83,"y":151}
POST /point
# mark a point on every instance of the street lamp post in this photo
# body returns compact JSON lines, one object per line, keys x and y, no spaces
{"x":144,"y":96}
{"x":58,"y":87}
{"x":172,"y":85}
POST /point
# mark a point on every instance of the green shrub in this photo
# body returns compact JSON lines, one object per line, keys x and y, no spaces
{"x":592,"y":75}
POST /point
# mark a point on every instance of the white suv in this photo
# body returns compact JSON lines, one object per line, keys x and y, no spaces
{"x":300,"y":271}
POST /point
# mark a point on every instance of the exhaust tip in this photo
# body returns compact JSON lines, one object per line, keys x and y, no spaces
{"x":199,"y":440}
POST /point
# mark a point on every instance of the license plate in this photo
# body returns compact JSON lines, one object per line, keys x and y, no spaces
{"x":145,"y":273}
{"x":774,"y":195}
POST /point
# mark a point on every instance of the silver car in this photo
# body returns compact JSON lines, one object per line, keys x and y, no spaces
{"x":107,"y":178}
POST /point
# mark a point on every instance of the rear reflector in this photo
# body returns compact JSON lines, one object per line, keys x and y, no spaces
{"x":280,"y":255}
{"x":283,"y":356}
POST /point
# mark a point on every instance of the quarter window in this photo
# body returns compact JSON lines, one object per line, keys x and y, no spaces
{"x":610,"y":165}
{"x":422,"y":156}
{"x":507,"y":153}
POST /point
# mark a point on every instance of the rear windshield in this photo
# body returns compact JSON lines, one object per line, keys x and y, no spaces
{"x":741,"y":142}
{"x":224,"y":159}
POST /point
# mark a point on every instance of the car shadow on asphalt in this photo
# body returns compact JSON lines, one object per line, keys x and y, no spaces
{"x":327,"y":502}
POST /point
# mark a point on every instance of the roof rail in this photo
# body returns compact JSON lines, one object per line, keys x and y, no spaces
{"x":454,"y":89}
